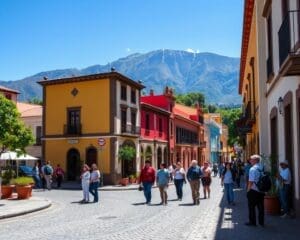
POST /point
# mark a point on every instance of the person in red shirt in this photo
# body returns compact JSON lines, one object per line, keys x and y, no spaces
{"x":147,"y":179}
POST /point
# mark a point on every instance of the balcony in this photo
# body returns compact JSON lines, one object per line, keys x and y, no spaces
{"x":72,"y":130}
{"x":130,"y":129}
{"x":289,"y":44}
{"x":250,"y":113}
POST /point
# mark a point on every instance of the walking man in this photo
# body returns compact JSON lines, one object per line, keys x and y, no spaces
{"x":162,"y":180}
{"x":285,"y":180}
{"x":47,"y":173}
{"x":59,"y":175}
{"x":193,"y":175}
{"x":255,"y":197}
{"x":147,"y":178}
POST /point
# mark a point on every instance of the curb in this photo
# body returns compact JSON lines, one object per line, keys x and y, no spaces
{"x":26,"y":211}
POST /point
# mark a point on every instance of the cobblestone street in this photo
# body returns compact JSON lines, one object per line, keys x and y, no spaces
{"x":122,"y":215}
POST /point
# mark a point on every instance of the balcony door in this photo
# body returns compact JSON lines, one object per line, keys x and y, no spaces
{"x":91,"y":156}
{"x":73,"y":118}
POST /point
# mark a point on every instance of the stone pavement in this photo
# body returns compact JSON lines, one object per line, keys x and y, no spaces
{"x":123,"y":215}
{"x":13,"y":207}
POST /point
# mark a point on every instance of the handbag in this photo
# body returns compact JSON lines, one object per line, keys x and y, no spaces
{"x":140,"y":188}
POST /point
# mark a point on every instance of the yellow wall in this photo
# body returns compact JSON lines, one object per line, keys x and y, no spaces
{"x":93,"y":97}
{"x":56,"y":152}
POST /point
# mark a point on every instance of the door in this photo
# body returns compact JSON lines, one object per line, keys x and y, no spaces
{"x":91,"y":156}
{"x":73,"y":164}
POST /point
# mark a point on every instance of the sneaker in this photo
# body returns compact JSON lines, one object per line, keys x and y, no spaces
{"x":285,"y":216}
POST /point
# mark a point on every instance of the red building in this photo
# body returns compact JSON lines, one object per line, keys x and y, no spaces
{"x":177,"y":136}
{"x":154,"y":140}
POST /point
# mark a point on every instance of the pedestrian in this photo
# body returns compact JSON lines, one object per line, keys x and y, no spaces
{"x":47,"y":171}
{"x":36,"y":175}
{"x":193,"y":175}
{"x":221,"y":169}
{"x":179,"y":179}
{"x":85,"y":183}
{"x":215,"y":169}
{"x":255,"y":197}
{"x":206,"y":179}
{"x":285,"y":180}
{"x":227,"y":181}
{"x":59,"y":175}
{"x":162,"y":180}
{"x":94,"y":182}
{"x":171,"y":172}
{"x":239,"y":172}
{"x":247,"y":169}
{"x":147,"y":179}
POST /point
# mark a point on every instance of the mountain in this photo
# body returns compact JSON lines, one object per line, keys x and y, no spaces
{"x":214,"y":75}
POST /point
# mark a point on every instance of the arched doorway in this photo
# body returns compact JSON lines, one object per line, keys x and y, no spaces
{"x":128,"y":166}
{"x":73,"y":164}
{"x":159,"y":157}
{"x":91,"y":156}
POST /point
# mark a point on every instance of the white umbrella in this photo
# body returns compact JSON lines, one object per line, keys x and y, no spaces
{"x":10,"y":155}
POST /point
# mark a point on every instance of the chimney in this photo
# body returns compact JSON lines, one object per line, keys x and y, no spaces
{"x":112,"y":69}
{"x":151,"y":92}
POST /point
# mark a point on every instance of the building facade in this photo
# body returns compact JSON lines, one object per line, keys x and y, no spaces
{"x":87,"y":119}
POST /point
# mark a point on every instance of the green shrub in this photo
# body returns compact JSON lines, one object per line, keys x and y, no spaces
{"x":22,"y":181}
{"x":7,"y":176}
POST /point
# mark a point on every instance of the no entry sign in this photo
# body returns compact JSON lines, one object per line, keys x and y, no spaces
{"x":101,"y":142}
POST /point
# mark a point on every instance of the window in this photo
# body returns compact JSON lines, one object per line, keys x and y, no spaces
{"x":133,"y":122}
{"x":160,"y":126}
{"x":270,"y":46}
{"x":147,"y":122}
{"x":38,"y":135}
{"x":8,"y":96}
{"x":123,"y":119}
{"x":133,"y":96}
{"x":284,"y":8}
{"x":74,"y":125}
{"x":123,"y":92}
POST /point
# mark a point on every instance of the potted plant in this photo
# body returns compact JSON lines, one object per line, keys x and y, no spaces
{"x":126,"y":153}
{"x":271,"y":199}
{"x":132,"y":178}
{"x":6,"y":187}
{"x":23,"y":187}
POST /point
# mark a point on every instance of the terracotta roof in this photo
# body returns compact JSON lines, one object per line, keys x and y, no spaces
{"x":248,"y":13}
{"x":29,"y":110}
{"x":93,"y":77}
{"x":8,"y":89}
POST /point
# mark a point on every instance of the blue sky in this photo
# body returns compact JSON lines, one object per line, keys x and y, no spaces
{"x":41,"y":35}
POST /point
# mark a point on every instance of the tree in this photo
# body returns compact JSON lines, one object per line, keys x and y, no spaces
{"x":13,"y":133}
{"x":190,"y":99}
{"x":36,"y":101}
{"x":229,"y":117}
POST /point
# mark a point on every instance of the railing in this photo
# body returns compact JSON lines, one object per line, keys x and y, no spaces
{"x":289,"y":35}
{"x":72,"y":129}
{"x":126,"y":128}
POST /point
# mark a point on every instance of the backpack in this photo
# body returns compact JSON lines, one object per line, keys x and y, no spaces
{"x":47,"y":170}
{"x":264,"y":183}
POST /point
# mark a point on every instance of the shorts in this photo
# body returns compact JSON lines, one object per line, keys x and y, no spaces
{"x":206,"y":181}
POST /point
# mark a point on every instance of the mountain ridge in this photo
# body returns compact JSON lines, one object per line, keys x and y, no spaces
{"x":214,"y":75}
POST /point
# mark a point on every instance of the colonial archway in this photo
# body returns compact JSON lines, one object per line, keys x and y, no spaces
{"x":149,"y":153}
{"x":91,"y":156}
{"x":128,"y":166}
{"x":73,"y":164}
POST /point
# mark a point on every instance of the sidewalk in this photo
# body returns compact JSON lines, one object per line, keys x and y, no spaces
{"x":230,"y":224}
{"x":13,"y":207}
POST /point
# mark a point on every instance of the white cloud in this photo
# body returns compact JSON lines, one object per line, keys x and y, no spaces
{"x":190,"y":50}
{"x":128,"y":50}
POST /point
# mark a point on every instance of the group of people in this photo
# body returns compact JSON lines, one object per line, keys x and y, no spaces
{"x":194,"y":175}
{"x":43,"y":175}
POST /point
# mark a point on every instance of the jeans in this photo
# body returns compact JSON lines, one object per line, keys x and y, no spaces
{"x":94,"y":190}
{"x":284,"y":194}
{"x":147,"y":191}
{"x":229,"y":192}
{"x":179,"y":184}
{"x":59,"y":179}
{"x":256,"y":199}
{"x":37,"y":181}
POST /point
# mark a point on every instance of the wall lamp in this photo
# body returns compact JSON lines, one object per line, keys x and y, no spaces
{"x":280,"y":105}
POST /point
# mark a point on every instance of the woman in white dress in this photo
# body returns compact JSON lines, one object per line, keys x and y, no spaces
{"x":85,"y":183}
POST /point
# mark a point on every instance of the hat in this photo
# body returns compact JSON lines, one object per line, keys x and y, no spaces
{"x":284,"y":162}
{"x":255,"y":157}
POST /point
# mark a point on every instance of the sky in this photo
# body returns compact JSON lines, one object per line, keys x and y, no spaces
{"x":42,"y":35}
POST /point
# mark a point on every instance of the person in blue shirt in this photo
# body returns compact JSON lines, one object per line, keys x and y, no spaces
{"x":162,"y":180}
{"x":193,"y":175}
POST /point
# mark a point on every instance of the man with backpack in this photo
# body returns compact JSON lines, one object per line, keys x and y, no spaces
{"x":194,"y":175}
{"x":47,"y":173}
{"x":254,"y":195}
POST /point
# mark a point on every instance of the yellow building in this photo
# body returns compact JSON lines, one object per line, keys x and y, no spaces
{"x":248,"y":125}
{"x":86,"y":119}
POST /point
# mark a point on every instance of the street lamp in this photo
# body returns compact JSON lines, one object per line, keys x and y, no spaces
{"x":280,"y":105}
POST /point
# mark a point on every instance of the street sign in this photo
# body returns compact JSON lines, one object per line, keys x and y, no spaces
{"x":101,"y":142}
